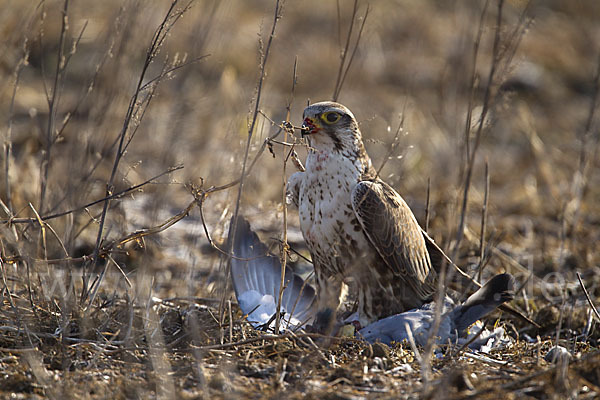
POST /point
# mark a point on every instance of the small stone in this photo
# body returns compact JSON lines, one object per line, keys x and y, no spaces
{"x":556,"y":353}
{"x":380,"y":350}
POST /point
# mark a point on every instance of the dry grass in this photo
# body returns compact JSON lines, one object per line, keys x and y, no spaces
{"x":108,"y":301}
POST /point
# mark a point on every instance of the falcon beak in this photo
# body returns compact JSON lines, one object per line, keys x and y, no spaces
{"x":309,"y":127}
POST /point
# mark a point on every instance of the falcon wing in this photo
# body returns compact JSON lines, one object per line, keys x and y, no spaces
{"x":393,"y":230}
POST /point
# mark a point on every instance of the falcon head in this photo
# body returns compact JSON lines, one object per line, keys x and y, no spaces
{"x":331,"y":126}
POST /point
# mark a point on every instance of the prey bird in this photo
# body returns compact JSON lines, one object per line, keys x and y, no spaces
{"x":356,"y":225}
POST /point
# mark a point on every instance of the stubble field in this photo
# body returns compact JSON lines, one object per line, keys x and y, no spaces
{"x":126,"y":126}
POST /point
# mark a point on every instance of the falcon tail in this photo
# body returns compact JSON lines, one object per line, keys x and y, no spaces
{"x":495,"y":292}
{"x":256,"y":277}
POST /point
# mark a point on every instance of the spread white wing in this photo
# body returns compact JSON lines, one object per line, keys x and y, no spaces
{"x":256,"y":277}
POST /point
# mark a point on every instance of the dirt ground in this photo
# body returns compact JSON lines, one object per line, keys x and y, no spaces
{"x":153,"y":104}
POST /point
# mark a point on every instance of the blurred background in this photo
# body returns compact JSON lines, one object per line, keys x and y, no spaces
{"x":413,"y":70}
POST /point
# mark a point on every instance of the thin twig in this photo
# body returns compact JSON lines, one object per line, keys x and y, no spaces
{"x":199,"y":198}
{"x":482,"y":118}
{"x":471,"y":340}
{"x":427,"y":204}
{"x":473,"y":80}
{"x":502,"y":56}
{"x":457,"y":269}
{"x":344,"y":51}
{"x":425,"y":361}
{"x":42,"y":230}
{"x":587,"y":296}
{"x":251,"y":127}
{"x":284,"y":245}
{"x":484,"y":210}
{"x":116,"y":264}
{"x":360,"y":32}
{"x":257,"y":156}
{"x":53,"y":106}
{"x":270,"y":337}
{"x":230,"y":322}
{"x":172,"y":69}
{"x":84,"y":207}
{"x":345,"y":66}
{"x":411,"y":341}
{"x":89,"y":87}
{"x":8,"y":138}
{"x":171,"y":17}
{"x":296,"y":252}
{"x":587,"y":153}
{"x":394,"y":146}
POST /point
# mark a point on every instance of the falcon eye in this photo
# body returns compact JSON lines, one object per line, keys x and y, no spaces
{"x":331,"y":117}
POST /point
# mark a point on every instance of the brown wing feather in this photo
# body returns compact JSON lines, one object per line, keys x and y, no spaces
{"x":393,"y":230}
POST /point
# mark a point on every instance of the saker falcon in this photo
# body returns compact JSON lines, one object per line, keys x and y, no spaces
{"x":355,"y":224}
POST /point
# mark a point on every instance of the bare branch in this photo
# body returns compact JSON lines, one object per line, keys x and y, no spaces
{"x":171,"y":17}
{"x":53,"y":106}
{"x":587,"y":296}
{"x":345,"y":66}
{"x":82,"y":208}
{"x":261,"y":79}
{"x":484,"y":211}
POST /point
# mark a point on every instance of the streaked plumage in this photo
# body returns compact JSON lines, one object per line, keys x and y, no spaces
{"x":355,"y":224}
